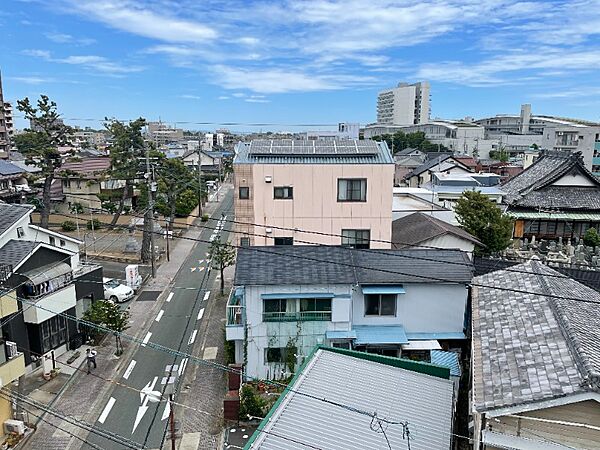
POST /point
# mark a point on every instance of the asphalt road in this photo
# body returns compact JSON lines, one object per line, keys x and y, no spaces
{"x":131,"y":414}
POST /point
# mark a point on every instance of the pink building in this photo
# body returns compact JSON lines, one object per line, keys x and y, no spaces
{"x":322,"y":192}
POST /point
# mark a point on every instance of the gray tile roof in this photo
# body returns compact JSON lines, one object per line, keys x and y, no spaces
{"x":533,"y":187}
{"x":529,"y":347}
{"x":396,"y":394}
{"x":15,"y":251}
{"x":314,"y":264}
{"x":6,"y":168}
{"x":418,"y":227}
{"x":10,"y":214}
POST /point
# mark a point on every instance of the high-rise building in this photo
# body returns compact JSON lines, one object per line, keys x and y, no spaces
{"x":4,"y":136}
{"x":406,"y":104}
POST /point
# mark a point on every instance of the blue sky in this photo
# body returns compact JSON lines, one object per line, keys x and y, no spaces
{"x":299,"y":62}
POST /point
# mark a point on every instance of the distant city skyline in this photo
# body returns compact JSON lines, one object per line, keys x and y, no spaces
{"x":295,"y":62}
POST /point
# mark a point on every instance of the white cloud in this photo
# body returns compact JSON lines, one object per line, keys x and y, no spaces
{"x":93,"y":62}
{"x":257,"y":100}
{"x":190,"y":97}
{"x":223,"y":97}
{"x":238,"y":94}
{"x":45,"y":54}
{"x":32,"y":80}
{"x":63,"y":38}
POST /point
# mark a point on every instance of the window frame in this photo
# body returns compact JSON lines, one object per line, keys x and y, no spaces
{"x":244,"y":242}
{"x":349,"y":197}
{"x":245,"y":189}
{"x":291,"y":242}
{"x":379,"y":306}
{"x":364,"y":243}
{"x":289,"y":190}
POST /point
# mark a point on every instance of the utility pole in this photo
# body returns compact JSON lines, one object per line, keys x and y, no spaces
{"x":150,"y":216}
{"x":199,"y":183}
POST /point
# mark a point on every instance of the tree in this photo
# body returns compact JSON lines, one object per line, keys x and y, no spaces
{"x":222,"y":255}
{"x":400,"y":141}
{"x":108,"y":315}
{"x":251,"y":404}
{"x":591,"y":238}
{"x":177,"y":187}
{"x":481,"y":217}
{"x":127,"y":147}
{"x":40,"y":144}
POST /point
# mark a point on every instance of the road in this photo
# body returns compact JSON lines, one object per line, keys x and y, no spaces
{"x":132,"y":414}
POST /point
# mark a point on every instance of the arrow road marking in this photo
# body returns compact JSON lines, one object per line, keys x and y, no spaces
{"x":129,"y":369}
{"x":160,"y":314}
{"x":170,"y":297}
{"x":206,"y":295}
{"x":192,"y":269}
{"x":200,"y":269}
{"x":200,"y":261}
{"x":184,"y":362}
{"x":107,"y":409}
{"x":144,"y":398}
{"x":167,"y":411}
{"x":192,"y":337}
{"x":200,"y":314}
{"x":146,"y":339}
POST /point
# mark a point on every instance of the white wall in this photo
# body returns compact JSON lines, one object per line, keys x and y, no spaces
{"x":450,"y":241}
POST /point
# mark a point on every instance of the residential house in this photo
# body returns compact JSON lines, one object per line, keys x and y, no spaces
{"x":390,"y":302}
{"x":13,"y":183}
{"x":536,"y":360}
{"x":406,"y":161}
{"x":83,"y":181}
{"x":408,"y":200}
{"x":425,"y":231}
{"x":557,"y":196}
{"x":309,"y":191}
{"x":210,"y":161}
{"x":441,"y":164}
{"x":330,"y":403}
{"x":447,"y":188}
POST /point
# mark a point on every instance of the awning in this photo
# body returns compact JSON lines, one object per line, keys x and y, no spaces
{"x":422,"y":345}
{"x":350,"y":334}
{"x":383,"y":289}
{"x":436,"y":336}
{"x":297,"y":295}
{"x":47,"y":272}
{"x":372,"y":335}
{"x":446,"y":359}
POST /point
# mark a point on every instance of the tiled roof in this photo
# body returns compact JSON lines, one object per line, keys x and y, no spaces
{"x":418,"y":227}
{"x":528,"y":347}
{"x":571,"y":197}
{"x":88,"y":167}
{"x":7,"y":168}
{"x":394,"y":393}
{"x":408,"y":151}
{"x":15,"y":251}
{"x":10,"y":214}
{"x":314,"y":264}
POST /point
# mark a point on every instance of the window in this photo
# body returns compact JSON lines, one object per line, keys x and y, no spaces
{"x":244,"y":193}
{"x":284,"y":241}
{"x":280,"y":354}
{"x":245,"y":242}
{"x":352,"y":190}
{"x":66,"y":183}
{"x":356,"y":238}
{"x":52,"y":240}
{"x":62,"y":243}
{"x":296,"y":309}
{"x":345,"y":345}
{"x":380,"y":305}
{"x":20,"y":232}
{"x":54,"y":333}
{"x":283,"y":192}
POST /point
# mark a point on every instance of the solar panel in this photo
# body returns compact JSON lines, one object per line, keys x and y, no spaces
{"x":313,"y":147}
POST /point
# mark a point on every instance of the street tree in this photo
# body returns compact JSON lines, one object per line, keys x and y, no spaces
{"x":481,"y":217}
{"x":222,"y":255}
{"x":108,"y":315}
{"x":40,"y":144}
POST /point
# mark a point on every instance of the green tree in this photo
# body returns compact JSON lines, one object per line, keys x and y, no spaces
{"x":591,"y":238}
{"x":481,"y":217}
{"x":40,"y":144}
{"x":400,"y":141}
{"x":108,"y":315}
{"x":177,"y":187}
{"x":250,"y":403}
{"x":222,"y":255}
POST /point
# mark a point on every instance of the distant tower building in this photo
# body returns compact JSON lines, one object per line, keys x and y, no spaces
{"x":406,"y":104}
{"x":4,"y":136}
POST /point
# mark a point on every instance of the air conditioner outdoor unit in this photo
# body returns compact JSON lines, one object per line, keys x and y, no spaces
{"x":14,"y":426}
{"x":11,"y":349}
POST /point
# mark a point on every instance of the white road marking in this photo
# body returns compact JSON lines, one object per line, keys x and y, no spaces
{"x":206,"y":295}
{"x":200,"y":261}
{"x":200,"y":314}
{"x":144,"y":398}
{"x":200,"y":269}
{"x":107,"y":409}
{"x":160,"y":314}
{"x":193,"y":337}
{"x":129,"y":369}
{"x":170,"y":297}
{"x":182,"y":366}
{"x":210,"y":352}
{"x":167,"y":411}
{"x":146,"y":339}
{"x":192,"y":269}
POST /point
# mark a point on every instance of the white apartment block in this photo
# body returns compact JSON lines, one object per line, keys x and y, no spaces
{"x":406,"y":104}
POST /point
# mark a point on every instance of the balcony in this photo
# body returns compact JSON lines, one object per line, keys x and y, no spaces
{"x":11,"y":369}
{"x":298,"y":316}
{"x":8,"y":303}
{"x":49,"y":305}
{"x":236,"y":316}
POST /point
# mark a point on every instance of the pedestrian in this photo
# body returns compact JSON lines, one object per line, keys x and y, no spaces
{"x":91,"y":359}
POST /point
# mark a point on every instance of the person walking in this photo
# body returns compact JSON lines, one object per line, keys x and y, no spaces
{"x":91,"y":359}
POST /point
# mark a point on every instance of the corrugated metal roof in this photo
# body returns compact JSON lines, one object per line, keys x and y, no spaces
{"x":47,"y":272}
{"x":554,"y":216}
{"x":446,"y":359}
{"x":371,"y":334}
{"x":394,"y":393}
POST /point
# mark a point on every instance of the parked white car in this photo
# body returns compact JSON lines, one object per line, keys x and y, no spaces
{"x":115,"y":291}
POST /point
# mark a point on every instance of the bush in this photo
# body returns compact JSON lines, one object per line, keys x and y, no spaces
{"x":96,"y":222}
{"x":68,"y":225}
{"x":204,"y":218}
{"x":229,"y":352}
{"x":250,"y":403}
{"x":591,"y":238}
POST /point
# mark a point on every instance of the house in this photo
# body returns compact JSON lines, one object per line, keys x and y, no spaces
{"x":557,"y":196}
{"x":13,"y":184}
{"x":449,"y":187}
{"x":328,"y":192}
{"x":210,"y":162}
{"x":42,"y":270}
{"x":406,"y":161}
{"x":425,"y":231}
{"x":536,"y":360}
{"x":332,"y":401}
{"x":442,"y":164}
{"x":389,"y":302}
{"x":84,"y":180}
{"x":407,"y":201}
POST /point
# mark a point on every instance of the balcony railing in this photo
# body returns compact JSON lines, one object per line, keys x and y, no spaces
{"x":235,"y":308}
{"x":304,"y":316}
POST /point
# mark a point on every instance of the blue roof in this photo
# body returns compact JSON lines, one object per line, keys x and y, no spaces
{"x":371,"y":334}
{"x":350,"y":334}
{"x":435,"y":336}
{"x":446,"y":359}
{"x":383,"y":289}
{"x":7,"y":168}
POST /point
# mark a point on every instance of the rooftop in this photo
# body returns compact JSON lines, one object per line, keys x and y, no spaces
{"x":16,"y":251}
{"x":529,"y":347}
{"x":288,"y":151}
{"x":411,"y":230}
{"x":7,"y":168}
{"x":367,"y":383}
{"x":87,"y":166}
{"x":11,"y":214}
{"x":296,"y":264}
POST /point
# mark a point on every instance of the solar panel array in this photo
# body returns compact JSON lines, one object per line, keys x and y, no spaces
{"x":313,"y":147}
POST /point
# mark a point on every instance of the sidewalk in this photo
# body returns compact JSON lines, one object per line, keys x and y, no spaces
{"x":79,"y":395}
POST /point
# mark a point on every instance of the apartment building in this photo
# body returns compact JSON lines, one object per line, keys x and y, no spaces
{"x":5,"y":125}
{"x":406,"y":104}
{"x":313,"y":191}
{"x":162,"y":134}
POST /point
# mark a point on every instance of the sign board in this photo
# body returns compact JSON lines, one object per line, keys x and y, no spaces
{"x":132,"y":276}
